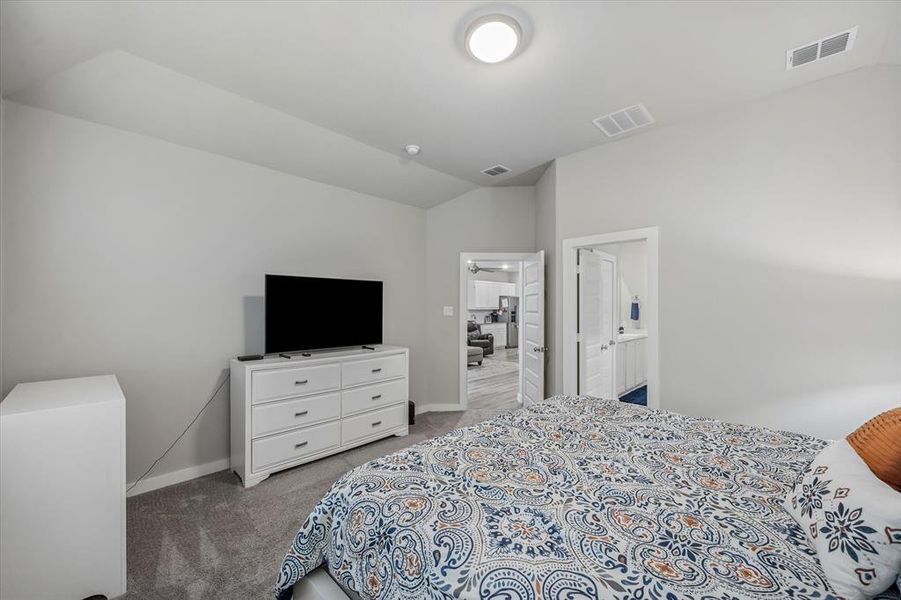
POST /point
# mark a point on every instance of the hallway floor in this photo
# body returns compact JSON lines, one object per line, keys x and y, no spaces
{"x":495,"y":384}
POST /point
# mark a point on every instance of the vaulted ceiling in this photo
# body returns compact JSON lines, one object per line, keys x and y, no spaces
{"x":333,"y":91}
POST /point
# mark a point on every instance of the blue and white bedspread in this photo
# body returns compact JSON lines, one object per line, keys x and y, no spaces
{"x":575,"y":497}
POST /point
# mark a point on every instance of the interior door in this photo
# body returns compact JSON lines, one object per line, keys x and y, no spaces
{"x":531,"y":318}
{"x":597,"y":323}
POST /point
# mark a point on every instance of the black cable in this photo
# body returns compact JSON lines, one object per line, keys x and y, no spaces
{"x":194,"y":420}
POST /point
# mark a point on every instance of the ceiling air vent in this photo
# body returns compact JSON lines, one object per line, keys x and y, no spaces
{"x":496,"y":170}
{"x":625,"y":120}
{"x":813,"y":51}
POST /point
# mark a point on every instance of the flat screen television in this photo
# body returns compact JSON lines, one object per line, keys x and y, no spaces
{"x":308,"y":313}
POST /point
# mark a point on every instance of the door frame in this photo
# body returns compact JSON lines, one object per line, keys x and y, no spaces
{"x":463,"y":311}
{"x":650,"y":235}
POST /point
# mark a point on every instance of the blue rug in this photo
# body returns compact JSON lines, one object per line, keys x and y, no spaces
{"x":636,"y":396}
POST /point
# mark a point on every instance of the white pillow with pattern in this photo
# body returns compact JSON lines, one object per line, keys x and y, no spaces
{"x":852,"y":519}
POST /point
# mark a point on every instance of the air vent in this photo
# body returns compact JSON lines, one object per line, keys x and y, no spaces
{"x":496,"y":170}
{"x":625,"y":120}
{"x":820,"y":49}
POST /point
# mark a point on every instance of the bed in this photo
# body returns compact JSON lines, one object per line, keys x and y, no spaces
{"x":574,"y":497}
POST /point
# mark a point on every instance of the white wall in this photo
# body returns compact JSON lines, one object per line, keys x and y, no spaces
{"x":128,"y":255}
{"x":484,"y":220}
{"x":782,"y":219}
{"x":632,"y":271}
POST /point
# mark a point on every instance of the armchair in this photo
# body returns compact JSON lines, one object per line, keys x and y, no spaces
{"x":475,"y":337}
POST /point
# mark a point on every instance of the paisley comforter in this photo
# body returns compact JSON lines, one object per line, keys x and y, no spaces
{"x":574,"y":497}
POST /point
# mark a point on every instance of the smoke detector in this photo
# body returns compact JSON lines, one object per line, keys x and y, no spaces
{"x":496,"y":170}
{"x":412,"y":149}
{"x":820,"y":49}
{"x":624,"y":120}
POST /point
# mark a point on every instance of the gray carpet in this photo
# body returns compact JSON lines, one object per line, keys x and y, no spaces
{"x":211,"y":538}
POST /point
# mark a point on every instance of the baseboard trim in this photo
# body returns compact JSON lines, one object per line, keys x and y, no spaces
{"x":427,"y":408}
{"x":166,"y":479}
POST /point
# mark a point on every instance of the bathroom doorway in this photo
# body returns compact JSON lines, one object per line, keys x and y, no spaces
{"x":610,"y":316}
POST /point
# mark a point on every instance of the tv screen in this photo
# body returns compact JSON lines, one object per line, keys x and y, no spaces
{"x":307,"y":313}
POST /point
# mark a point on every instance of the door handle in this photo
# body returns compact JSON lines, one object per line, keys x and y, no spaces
{"x":539,"y":349}
{"x":301,"y":413}
{"x":604,"y":347}
{"x":300,"y":445}
{"x":377,"y":396}
{"x":376,"y":370}
{"x":612,"y":342}
{"x":377,"y":423}
{"x":301,"y":382}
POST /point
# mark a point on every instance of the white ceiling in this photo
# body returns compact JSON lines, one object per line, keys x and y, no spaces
{"x":334,"y":90}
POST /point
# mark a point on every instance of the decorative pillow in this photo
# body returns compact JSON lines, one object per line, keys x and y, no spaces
{"x":878,"y":442}
{"x":852,"y":520}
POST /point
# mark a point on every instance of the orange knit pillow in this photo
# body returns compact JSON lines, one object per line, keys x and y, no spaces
{"x":878,"y":443}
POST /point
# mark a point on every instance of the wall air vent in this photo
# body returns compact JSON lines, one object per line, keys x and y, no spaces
{"x":496,"y":170}
{"x":820,"y":49}
{"x":625,"y":120}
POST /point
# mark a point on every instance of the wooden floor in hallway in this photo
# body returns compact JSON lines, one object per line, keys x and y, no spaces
{"x":495,"y":384}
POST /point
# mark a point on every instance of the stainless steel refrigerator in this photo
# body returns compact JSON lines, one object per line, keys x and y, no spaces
{"x":508,"y":312}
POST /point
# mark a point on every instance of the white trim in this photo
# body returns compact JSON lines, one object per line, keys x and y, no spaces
{"x":568,"y":258}
{"x":166,"y":479}
{"x":463,"y":307}
{"x":427,"y":408}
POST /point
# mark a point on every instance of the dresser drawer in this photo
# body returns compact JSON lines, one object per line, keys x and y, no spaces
{"x":372,"y":423}
{"x":295,"y":444}
{"x":374,"y":369}
{"x":373,"y":396}
{"x":279,"y":383}
{"x":296,"y":412}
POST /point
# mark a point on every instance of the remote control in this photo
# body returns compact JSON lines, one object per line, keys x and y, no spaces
{"x":247,"y":357}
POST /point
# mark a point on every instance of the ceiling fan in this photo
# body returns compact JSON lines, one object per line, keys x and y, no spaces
{"x":475,"y":268}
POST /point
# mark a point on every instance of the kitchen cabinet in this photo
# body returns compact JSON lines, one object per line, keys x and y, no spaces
{"x":483,"y":295}
{"x":631,"y":362}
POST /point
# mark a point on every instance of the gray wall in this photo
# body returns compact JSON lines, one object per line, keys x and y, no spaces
{"x":780,"y":219}
{"x":124,"y":254}
{"x":483,"y":220}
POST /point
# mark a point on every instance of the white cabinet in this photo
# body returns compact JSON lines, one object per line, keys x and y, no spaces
{"x":62,"y":489}
{"x":286,"y":412}
{"x":498,"y":330}
{"x":483,"y":295}
{"x":631,"y":363}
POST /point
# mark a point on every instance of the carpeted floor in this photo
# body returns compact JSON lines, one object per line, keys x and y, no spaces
{"x":211,"y":538}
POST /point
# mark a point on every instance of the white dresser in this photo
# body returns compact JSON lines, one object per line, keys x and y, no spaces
{"x":286,"y":412}
{"x":62,"y":490}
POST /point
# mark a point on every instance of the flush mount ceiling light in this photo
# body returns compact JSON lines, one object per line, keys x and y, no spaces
{"x":496,"y":33}
{"x":412,"y":149}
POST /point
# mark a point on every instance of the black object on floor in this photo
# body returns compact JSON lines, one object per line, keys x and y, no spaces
{"x":412,"y":406}
{"x":637,"y":396}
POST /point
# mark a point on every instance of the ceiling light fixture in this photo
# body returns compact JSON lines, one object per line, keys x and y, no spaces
{"x":494,"y":33}
{"x":493,"y":38}
{"x":412,"y":149}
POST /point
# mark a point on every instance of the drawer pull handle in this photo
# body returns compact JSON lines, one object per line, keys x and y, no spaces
{"x":377,"y":396}
{"x":377,"y":423}
{"x":376,"y":370}
{"x":300,"y":445}
{"x":301,"y":413}
{"x":301,"y":382}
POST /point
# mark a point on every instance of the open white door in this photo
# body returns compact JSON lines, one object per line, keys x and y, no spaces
{"x":532,"y":323}
{"x":597,"y":323}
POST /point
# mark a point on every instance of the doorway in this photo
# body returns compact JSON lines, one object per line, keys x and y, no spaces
{"x":502,"y":330}
{"x":610,"y":329}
